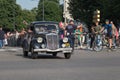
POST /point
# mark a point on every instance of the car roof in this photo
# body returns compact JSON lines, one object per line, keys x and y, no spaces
{"x":43,"y":22}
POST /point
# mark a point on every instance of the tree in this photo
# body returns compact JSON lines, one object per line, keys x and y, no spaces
{"x":25,"y":16}
{"x":61,"y":12}
{"x":109,"y":11}
{"x":57,"y":1}
{"x":83,"y":9}
{"x":12,"y":15}
{"x":6,"y":12}
{"x":52,"y":11}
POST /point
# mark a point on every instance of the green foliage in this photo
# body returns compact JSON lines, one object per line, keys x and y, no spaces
{"x":83,"y":9}
{"x":12,"y":16}
{"x":57,"y":1}
{"x":7,"y":9}
{"x":52,"y":11}
{"x":110,"y":10}
{"x":24,"y":15}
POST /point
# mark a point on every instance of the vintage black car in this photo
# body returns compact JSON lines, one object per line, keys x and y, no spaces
{"x":44,"y":38}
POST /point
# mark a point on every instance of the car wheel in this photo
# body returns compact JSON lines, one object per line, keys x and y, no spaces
{"x":54,"y":54}
{"x":97,"y":47}
{"x":67,"y":55}
{"x":34,"y":55}
{"x":25,"y":53}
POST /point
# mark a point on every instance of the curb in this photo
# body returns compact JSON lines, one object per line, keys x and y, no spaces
{"x":10,"y":49}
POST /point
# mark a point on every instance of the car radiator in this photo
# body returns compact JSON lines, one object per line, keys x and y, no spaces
{"x":52,"y":41}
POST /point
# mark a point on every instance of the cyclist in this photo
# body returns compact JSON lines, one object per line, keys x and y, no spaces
{"x":96,"y":28}
{"x":108,"y":28}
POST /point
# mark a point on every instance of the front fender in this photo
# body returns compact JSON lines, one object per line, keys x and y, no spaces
{"x":32,"y":43}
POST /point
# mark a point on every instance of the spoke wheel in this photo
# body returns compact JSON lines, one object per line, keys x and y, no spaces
{"x":98,"y":47}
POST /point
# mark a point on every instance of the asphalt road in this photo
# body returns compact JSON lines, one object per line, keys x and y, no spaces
{"x":83,"y":65}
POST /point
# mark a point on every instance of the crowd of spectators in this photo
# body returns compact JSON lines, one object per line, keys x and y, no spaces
{"x":11,"y":38}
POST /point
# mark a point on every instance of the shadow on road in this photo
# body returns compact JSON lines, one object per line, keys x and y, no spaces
{"x":41,"y":56}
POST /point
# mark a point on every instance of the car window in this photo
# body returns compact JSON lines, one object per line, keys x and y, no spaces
{"x":51,"y":27}
{"x":40,"y":28}
{"x":45,"y":28}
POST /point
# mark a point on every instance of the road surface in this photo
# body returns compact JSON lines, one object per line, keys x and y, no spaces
{"x":83,"y":65}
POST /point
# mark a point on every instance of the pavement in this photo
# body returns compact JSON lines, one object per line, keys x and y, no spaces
{"x":10,"y":49}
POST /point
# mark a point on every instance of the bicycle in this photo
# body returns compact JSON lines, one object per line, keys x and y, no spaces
{"x":98,"y":43}
{"x":115,"y":43}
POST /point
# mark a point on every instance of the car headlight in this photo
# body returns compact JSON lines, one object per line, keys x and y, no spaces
{"x":39,"y":40}
{"x":63,"y":45}
{"x":65,"y":39}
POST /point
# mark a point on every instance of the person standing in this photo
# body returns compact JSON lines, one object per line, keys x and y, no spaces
{"x":79,"y":33}
{"x":70,"y":30}
{"x":16,"y":37}
{"x":62,"y":28}
{"x":21,"y":36}
{"x":2,"y":37}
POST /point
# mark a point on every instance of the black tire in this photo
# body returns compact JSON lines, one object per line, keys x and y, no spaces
{"x":54,"y":54}
{"x":34,"y":55}
{"x":67,"y":55}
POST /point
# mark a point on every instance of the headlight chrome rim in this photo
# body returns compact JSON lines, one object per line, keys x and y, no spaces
{"x":39,"y":39}
{"x":65,"y":39}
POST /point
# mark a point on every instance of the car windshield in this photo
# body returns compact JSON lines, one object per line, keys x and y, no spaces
{"x":45,"y":28}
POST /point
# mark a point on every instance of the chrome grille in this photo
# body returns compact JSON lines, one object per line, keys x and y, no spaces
{"x":52,"y":41}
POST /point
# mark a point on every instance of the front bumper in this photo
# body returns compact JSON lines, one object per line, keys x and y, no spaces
{"x":64,"y":50}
